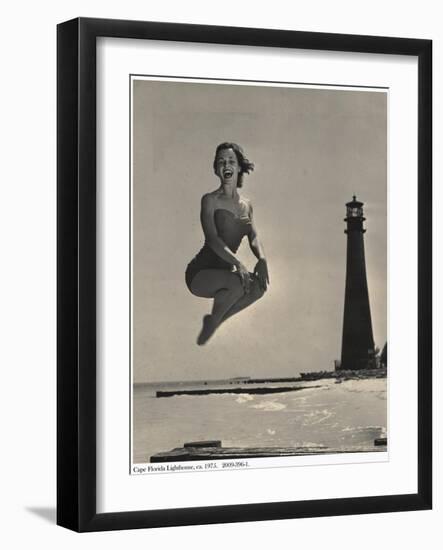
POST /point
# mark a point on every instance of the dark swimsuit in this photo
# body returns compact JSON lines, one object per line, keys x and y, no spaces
{"x":231,"y":229}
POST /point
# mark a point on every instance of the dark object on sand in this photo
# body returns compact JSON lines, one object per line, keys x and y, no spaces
{"x":204,"y":444}
{"x":212,"y":450}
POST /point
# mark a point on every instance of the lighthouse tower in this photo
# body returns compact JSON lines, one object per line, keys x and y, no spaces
{"x":357,"y":350}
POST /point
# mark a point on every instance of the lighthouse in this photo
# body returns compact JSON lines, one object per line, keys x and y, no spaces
{"x":357,"y":350}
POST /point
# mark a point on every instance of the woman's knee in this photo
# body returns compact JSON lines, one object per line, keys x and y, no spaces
{"x":235,"y":285}
{"x":256,"y":290}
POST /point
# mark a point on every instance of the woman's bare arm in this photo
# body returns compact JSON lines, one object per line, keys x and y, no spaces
{"x":254,"y":242}
{"x":261,"y":268}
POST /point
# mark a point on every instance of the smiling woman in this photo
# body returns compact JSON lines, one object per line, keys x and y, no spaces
{"x":226,"y":218}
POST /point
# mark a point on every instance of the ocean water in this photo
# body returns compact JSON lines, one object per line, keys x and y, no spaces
{"x":346,"y":416}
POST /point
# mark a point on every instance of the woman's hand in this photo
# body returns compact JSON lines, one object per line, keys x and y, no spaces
{"x":245,"y":277}
{"x":261,"y":272}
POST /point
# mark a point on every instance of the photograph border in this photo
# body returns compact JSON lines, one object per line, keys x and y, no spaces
{"x":77,"y":284}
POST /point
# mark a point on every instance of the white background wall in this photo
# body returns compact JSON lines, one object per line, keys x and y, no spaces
{"x":27,"y":289}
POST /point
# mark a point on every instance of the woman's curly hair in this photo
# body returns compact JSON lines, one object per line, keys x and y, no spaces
{"x":245,"y":165}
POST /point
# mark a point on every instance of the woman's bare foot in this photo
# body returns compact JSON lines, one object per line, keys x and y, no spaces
{"x":208,"y":329}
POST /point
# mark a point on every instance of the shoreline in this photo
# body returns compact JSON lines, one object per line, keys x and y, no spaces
{"x":341,"y":375}
{"x":266,"y":388}
{"x":251,"y":391}
{"x":361,"y":374}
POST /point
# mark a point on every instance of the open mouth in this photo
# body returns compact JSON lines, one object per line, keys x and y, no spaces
{"x":228,"y":174}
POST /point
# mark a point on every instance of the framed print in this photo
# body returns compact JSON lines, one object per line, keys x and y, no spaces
{"x":244,"y":274}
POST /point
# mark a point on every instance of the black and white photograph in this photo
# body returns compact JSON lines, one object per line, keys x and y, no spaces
{"x":258,"y":271}
{"x":222,"y":299}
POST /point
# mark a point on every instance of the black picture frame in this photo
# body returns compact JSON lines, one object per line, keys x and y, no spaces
{"x":76,"y":280}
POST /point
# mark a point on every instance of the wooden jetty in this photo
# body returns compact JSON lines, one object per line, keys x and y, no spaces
{"x":208,"y":391}
{"x":213,"y":450}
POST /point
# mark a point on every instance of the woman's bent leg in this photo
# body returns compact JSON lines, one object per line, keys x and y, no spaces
{"x":254,"y":294}
{"x":226,"y":289}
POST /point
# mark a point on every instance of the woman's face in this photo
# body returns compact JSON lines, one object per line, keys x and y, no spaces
{"x":227,"y":167}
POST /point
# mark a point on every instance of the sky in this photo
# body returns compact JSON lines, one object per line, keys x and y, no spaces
{"x":312,"y":149}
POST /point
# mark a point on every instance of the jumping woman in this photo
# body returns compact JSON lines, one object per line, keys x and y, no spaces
{"x":226,"y":218}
